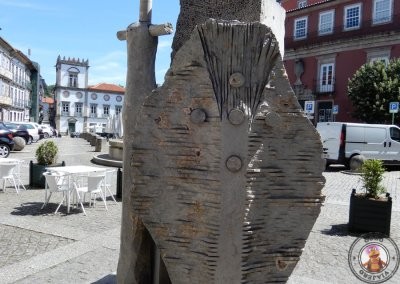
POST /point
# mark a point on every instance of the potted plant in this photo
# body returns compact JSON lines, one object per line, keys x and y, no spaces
{"x":371,"y":210}
{"x":46,"y":155}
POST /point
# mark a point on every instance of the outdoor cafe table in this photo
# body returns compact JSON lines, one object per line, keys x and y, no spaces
{"x":73,"y":171}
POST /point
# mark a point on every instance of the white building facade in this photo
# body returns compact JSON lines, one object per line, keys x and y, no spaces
{"x":16,"y":88}
{"x":83,"y":108}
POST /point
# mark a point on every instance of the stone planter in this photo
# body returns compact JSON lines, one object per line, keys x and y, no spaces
{"x":36,"y":178}
{"x":370,"y":215}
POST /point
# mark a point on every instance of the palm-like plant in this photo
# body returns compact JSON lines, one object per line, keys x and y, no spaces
{"x":372,"y":174}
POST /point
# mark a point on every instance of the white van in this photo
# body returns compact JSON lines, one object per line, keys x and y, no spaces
{"x":342,"y":141}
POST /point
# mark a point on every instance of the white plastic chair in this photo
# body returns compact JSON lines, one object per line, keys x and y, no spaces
{"x":108,"y":183}
{"x":7,"y":174}
{"x":56,"y":183}
{"x":17,"y":173}
{"x":93,"y":187}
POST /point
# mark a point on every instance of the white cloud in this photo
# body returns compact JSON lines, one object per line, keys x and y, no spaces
{"x":164,"y":43}
{"x":160,"y":74}
{"x":109,"y":57}
{"x":110,"y":68}
{"x":118,"y":79}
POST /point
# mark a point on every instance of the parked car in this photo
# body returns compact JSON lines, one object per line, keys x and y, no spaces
{"x":19,"y":131}
{"x":75,"y":134}
{"x":344,"y":142}
{"x":47,"y":130}
{"x":32,"y":129}
{"x":6,"y":141}
{"x":37,"y":125}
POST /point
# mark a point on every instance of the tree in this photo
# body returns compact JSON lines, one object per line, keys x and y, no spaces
{"x":49,"y":90}
{"x":371,"y":90}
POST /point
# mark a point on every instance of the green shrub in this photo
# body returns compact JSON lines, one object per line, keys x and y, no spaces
{"x":372,"y":174}
{"x":46,"y":153}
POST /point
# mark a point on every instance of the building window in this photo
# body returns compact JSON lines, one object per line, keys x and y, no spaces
{"x":106,"y":110}
{"x":78,"y":109}
{"x":352,"y":17}
{"x":325,"y":23}
{"x":383,"y":59}
{"x":73,"y":80}
{"x":301,"y":3}
{"x":65,"y":108}
{"x":382,"y":11}
{"x":378,"y":55}
{"x":326,"y":78}
{"x":118,"y":109}
{"x":93,"y":110}
{"x":300,"y":28}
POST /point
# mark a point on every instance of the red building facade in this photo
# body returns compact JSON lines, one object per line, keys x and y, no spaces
{"x":326,"y":42}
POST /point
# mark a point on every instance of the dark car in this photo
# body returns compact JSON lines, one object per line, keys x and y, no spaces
{"x":6,"y":141}
{"x":19,"y":131}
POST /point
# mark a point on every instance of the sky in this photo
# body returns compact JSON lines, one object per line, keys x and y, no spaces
{"x":84,"y":29}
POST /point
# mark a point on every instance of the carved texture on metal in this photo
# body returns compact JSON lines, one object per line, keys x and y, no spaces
{"x":227,"y":174}
{"x":249,"y":51}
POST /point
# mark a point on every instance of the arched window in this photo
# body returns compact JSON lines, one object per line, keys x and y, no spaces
{"x":73,"y":77}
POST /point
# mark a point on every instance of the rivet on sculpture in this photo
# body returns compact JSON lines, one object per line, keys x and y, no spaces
{"x":222,"y":170}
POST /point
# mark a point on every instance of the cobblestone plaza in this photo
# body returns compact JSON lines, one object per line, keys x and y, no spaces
{"x":37,"y":246}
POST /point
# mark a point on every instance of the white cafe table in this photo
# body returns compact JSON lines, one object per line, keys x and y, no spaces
{"x":78,"y":169}
{"x":73,"y":171}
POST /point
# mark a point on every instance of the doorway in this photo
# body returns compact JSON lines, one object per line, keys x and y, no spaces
{"x":325,"y":111}
{"x":71,"y":127}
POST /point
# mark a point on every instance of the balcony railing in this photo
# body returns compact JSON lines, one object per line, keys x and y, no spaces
{"x":339,"y":32}
{"x":5,"y":100}
{"x":323,"y":87}
{"x":65,"y":113}
{"x":20,"y":103}
{"x":6,"y":73}
{"x":93,"y":115}
{"x":78,"y":114}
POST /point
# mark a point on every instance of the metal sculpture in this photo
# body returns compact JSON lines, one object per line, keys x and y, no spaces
{"x":220,"y":164}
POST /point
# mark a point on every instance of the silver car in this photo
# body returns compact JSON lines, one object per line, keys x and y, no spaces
{"x":32,"y":128}
{"x":47,"y":130}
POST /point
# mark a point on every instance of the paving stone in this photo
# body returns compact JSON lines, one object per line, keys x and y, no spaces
{"x":37,"y":246}
{"x":17,"y":244}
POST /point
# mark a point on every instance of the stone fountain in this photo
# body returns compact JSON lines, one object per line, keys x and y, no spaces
{"x":115,"y":154}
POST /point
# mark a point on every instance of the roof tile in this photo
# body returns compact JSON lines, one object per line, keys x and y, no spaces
{"x":107,"y":87}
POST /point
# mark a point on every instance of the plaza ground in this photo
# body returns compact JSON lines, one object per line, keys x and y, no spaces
{"x":37,"y":246}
